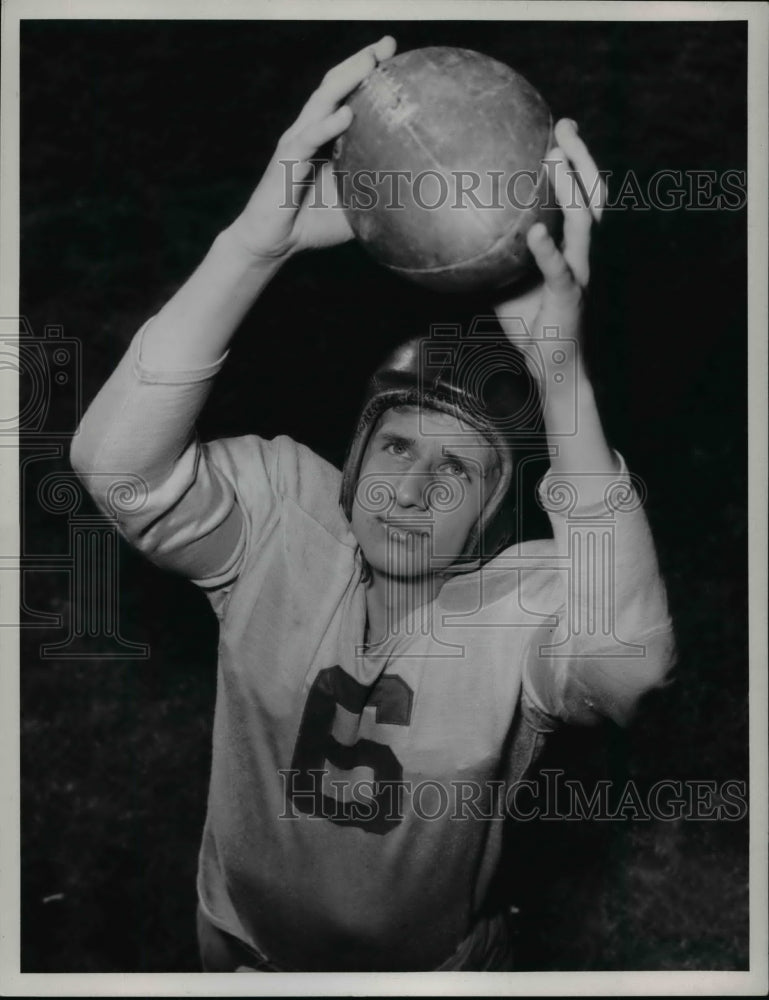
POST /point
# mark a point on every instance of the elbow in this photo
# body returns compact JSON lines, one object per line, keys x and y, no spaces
{"x":659,"y":661}
{"x":95,"y":467}
{"x":80,"y":458}
{"x":83,"y":460}
{"x":87,"y":445}
{"x":611,"y":684}
{"x":663,"y":655}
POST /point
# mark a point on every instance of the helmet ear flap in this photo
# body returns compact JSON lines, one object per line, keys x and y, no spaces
{"x":379,"y":399}
{"x":502,"y":530}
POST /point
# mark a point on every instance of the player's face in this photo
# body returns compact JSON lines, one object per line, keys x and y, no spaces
{"x":424,"y":480}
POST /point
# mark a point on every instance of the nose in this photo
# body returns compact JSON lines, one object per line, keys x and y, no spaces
{"x":412,"y":488}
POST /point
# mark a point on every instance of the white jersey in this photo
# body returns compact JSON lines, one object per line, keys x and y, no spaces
{"x":357,"y":795}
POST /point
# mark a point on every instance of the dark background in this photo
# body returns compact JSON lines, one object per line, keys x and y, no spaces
{"x":139,"y":142}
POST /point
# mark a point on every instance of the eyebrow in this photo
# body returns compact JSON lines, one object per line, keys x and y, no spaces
{"x":457,"y":458}
{"x":391,"y":436}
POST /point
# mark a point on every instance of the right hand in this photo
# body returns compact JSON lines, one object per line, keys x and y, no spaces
{"x":281,"y":218}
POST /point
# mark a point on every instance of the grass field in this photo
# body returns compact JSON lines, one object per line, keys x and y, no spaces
{"x":138,"y":142}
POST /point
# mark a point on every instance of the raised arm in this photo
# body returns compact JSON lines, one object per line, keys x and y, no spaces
{"x":195,"y":327}
{"x":140,"y":427}
{"x":614,"y":640}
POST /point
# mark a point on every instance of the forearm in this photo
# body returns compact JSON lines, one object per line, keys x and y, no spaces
{"x":139,"y":431}
{"x":575,"y":435}
{"x":144,"y":415}
{"x":194,"y":328}
{"x":596,"y":512}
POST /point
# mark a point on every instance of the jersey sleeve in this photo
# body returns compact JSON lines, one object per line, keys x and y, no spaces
{"x":176,"y":500}
{"x":611,"y":638}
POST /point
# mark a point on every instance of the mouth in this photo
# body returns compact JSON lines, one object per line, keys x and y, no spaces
{"x":404,"y":531}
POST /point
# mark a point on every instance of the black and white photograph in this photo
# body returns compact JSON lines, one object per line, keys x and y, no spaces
{"x":383,"y":387}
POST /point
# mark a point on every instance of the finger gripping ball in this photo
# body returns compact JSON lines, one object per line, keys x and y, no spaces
{"x":440,"y":172}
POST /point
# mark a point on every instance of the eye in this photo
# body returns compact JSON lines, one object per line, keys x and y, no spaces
{"x":455,"y":469}
{"x":398,"y":448}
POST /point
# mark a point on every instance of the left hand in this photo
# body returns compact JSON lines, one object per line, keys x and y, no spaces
{"x":557,"y":301}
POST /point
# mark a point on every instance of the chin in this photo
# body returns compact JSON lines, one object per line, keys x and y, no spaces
{"x":398,"y":569}
{"x":403,"y":565}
